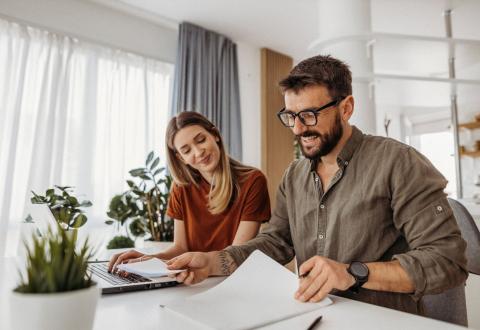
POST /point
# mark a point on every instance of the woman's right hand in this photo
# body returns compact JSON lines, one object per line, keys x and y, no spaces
{"x":123,"y":258}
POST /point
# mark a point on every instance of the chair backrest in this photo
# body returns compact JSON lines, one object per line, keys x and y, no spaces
{"x":470,"y":234}
{"x":450,"y":306}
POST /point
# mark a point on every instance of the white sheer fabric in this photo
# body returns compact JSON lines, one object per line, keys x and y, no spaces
{"x":73,"y":113}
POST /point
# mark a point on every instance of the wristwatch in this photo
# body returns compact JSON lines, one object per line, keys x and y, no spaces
{"x":360,"y":272}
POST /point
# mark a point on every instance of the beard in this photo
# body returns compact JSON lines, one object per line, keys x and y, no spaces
{"x":327,"y":141}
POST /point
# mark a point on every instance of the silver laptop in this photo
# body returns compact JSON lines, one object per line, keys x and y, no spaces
{"x":109,"y":282}
{"x":113,"y":283}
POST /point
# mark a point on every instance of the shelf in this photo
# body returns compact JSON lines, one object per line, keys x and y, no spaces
{"x":471,"y":153}
{"x":471,"y":125}
{"x":374,"y":36}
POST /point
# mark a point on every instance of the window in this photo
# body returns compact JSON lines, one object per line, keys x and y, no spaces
{"x":73,"y":113}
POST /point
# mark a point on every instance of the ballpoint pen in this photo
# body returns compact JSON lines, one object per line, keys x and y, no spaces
{"x":315,"y":323}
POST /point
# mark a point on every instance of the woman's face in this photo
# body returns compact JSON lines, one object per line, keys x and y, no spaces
{"x":198,"y":148}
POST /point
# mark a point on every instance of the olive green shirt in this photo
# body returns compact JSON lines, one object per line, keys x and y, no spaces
{"x":386,"y":202}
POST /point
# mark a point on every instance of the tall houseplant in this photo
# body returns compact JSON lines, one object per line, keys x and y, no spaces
{"x":56,"y":290}
{"x":143,"y":206}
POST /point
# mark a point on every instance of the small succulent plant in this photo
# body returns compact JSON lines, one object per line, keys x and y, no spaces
{"x":54,"y":264}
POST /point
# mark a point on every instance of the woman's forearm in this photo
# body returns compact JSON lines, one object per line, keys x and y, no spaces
{"x":172,"y":252}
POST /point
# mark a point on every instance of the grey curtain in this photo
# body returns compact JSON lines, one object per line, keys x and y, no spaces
{"x":206,"y":81}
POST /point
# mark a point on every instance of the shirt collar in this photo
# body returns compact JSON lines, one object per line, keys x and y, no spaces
{"x":348,"y":150}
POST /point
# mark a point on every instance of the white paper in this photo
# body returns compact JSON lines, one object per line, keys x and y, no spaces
{"x":259,"y":292}
{"x":153,"y":267}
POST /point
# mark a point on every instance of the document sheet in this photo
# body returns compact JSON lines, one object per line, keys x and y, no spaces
{"x":259,"y":292}
{"x":150,"y":268}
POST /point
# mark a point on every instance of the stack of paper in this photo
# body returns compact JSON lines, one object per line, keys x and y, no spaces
{"x":150,"y":268}
{"x":258,"y":293}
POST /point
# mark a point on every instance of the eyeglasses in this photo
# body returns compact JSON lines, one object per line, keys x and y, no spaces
{"x":307,"y":117}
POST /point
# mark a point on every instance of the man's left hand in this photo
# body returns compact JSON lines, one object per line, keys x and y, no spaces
{"x":322,"y":276}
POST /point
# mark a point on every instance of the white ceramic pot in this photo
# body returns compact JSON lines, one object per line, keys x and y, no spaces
{"x":54,"y":311}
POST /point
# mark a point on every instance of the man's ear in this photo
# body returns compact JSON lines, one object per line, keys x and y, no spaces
{"x":346,"y":107}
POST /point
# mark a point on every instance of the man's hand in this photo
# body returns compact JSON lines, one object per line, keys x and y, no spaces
{"x":322,"y":276}
{"x":200,"y":265}
{"x":197,"y":266}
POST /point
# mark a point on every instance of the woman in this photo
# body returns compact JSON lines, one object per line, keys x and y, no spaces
{"x":215,"y":201}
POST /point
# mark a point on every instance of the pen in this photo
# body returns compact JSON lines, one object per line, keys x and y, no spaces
{"x":315,"y":323}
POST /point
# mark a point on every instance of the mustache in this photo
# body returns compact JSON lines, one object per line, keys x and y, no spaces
{"x":308,"y":134}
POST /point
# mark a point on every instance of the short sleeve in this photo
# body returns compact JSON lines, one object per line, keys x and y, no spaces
{"x":257,"y":200}
{"x":175,"y":205}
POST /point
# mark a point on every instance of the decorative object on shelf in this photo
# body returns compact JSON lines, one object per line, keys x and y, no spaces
{"x":143,"y":207}
{"x":55,"y":290}
{"x":386,"y":124}
{"x":477,"y":145}
{"x":470,"y":125}
{"x":65,"y":207}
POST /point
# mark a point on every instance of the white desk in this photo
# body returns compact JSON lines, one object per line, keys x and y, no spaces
{"x":140,"y":310}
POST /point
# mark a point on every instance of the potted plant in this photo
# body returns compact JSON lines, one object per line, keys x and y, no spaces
{"x":55,"y":291}
{"x":66,"y":208}
{"x":143,"y":206}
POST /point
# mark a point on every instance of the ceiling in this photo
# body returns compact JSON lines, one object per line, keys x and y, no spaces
{"x":290,"y":27}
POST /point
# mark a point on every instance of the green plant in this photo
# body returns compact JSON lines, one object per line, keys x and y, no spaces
{"x":119,"y":242}
{"x":65,"y":207}
{"x":144,"y":204}
{"x":53,"y":265}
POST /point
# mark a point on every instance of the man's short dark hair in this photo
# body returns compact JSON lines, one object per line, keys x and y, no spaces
{"x":321,"y":70}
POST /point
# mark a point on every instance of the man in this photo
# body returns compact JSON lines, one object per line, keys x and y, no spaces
{"x":366,"y":216}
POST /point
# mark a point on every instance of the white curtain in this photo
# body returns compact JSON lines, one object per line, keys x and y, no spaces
{"x":73,"y":113}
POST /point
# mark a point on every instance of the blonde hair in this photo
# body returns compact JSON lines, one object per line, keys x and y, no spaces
{"x":227,"y":176}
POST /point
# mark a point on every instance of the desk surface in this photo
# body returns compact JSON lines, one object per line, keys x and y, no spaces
{"x":140,"y":310}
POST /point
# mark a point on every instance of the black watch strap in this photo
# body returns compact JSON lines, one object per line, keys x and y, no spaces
{"x":360,"y":273}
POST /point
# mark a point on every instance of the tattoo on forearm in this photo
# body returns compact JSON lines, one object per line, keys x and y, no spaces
{"x":227,"y":264}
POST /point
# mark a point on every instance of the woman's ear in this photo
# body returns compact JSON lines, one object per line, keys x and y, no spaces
{"x":180,"y":157}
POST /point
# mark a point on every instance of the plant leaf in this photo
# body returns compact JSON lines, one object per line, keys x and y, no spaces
{"x":85,"y":204}
{"x":155,"y":163}
{"x":137,"y":172}
{"x":149,"y":158}
{"x":79,"y":221}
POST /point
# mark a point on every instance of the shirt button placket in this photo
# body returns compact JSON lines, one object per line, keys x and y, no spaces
{"x":321,"y":229}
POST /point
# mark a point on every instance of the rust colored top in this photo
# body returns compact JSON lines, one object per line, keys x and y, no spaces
{"x":208,"y":232}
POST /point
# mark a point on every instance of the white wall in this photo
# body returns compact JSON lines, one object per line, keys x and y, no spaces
{"x":249,"y":75}
{"x":96,"y":23}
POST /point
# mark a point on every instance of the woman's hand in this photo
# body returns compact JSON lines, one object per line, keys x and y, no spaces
{"x":126,"y":257}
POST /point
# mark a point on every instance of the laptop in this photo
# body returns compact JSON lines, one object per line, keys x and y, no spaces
{"x":113,"y":283}
{"x":108,"y":282}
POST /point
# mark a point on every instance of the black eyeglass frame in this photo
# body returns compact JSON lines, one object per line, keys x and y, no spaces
{"x":314,"y":111}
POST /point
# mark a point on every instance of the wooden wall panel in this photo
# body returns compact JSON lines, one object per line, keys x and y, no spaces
{"x":277,"y":140}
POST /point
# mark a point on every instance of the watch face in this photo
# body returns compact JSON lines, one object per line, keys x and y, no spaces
{"x":359,"y":269}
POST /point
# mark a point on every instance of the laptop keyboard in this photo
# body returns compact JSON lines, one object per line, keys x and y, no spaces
{"x":101,"y":270}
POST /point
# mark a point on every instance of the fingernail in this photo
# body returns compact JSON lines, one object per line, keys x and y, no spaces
{"x":302,"y":298}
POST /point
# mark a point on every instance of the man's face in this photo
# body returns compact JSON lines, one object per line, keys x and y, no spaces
{"x":319,"y":140}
